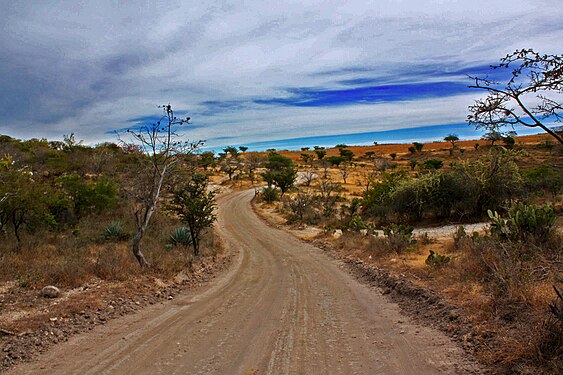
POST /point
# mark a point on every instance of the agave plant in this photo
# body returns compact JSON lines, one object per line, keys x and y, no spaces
{"x":180,"y":236}
{"x":114,"y":232}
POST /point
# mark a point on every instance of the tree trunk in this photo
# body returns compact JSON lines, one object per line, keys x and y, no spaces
{"x":136,"y":248}
{"x":195,"y":242}
{"x":142,"y":221}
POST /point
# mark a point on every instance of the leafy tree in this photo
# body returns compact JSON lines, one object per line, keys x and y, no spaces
{"x":230,"y":161}
{"x":20,"y":197}
{"x":393,"y":155}
{"x":336,"y":160}
{"x":412,"y":150}
{"x":452,"y":138}
{"x":279,"y":172}
{"x":207,"y":159}
{"x":160,"y":146}
{"x":307,"y":158}
{"x":242,"y":148}
{"x":492,"y":136}
{"x":530,"y":97}
{"x":233,"y":151}
{"x":320,"y":154}
{"x":418,"y":146}
{"x":194,"y":205}
{"x":253,"y":161}
{"x":347,"y":154}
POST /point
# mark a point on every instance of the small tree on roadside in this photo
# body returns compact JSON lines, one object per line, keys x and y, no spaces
{"x":280,"y":172}
{"x":393,"y":155}
{"x":532,"y":95}
{"x":160,"y":145}
{"x":418,"y":146}
{"x":193,"y":204}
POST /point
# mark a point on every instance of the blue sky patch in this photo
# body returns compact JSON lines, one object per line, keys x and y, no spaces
{"x":305,"y":97}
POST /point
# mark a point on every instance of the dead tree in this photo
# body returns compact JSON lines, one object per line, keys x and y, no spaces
{"x":159,"y":145}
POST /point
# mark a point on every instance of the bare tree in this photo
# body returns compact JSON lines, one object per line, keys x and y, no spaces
{"x":160,"y":146}
{"x":329,"y":194}
{"x":531,"y":96}
{"x":344,"y":171}
{"x":308,"y":177}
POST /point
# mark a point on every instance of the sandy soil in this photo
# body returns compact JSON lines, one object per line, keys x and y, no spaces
{"x":283,"y":307}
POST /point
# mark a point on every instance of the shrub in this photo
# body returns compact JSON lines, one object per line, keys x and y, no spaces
{"x":269,"y":194}
{"x":399,"y":237}
{"x":432,"y":164}
{"x":437,"y":260}
{"x":543,"y":177}
{"x":303,"y":207}
{"x":524,"y":222}
{"x":114,"y":232}
{"x":357,"y":224}
{"x":180,"y":237}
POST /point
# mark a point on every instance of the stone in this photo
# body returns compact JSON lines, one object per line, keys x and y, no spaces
{"x":364,"y":232}
{"x":50,"y":291}
{"x":337,"y":234}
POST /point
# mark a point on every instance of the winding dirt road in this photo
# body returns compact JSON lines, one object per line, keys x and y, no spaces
{"x":283,"y":308}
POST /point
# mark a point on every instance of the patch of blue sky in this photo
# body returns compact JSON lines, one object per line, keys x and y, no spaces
{"x":310,"y":97}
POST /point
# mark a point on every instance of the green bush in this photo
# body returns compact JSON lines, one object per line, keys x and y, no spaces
{"x":432,"y":164}
{"x":269,"y":194}
{"x":543,"y":178}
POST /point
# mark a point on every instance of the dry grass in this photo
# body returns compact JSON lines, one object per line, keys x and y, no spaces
{"x":505,"y":298}
{"x":73,"y":257}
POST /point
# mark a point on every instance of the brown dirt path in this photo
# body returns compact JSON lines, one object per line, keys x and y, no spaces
{"x":283,"y":308}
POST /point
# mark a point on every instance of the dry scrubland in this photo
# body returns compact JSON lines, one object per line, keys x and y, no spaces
{"x":501,"y":279}
{"x":76,"y":225}
{"x":66,"y":219}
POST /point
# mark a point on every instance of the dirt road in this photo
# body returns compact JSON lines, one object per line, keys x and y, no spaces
{"x":283,"y":308}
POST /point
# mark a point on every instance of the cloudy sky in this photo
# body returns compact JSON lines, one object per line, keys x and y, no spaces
{"x":249,"y":71}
